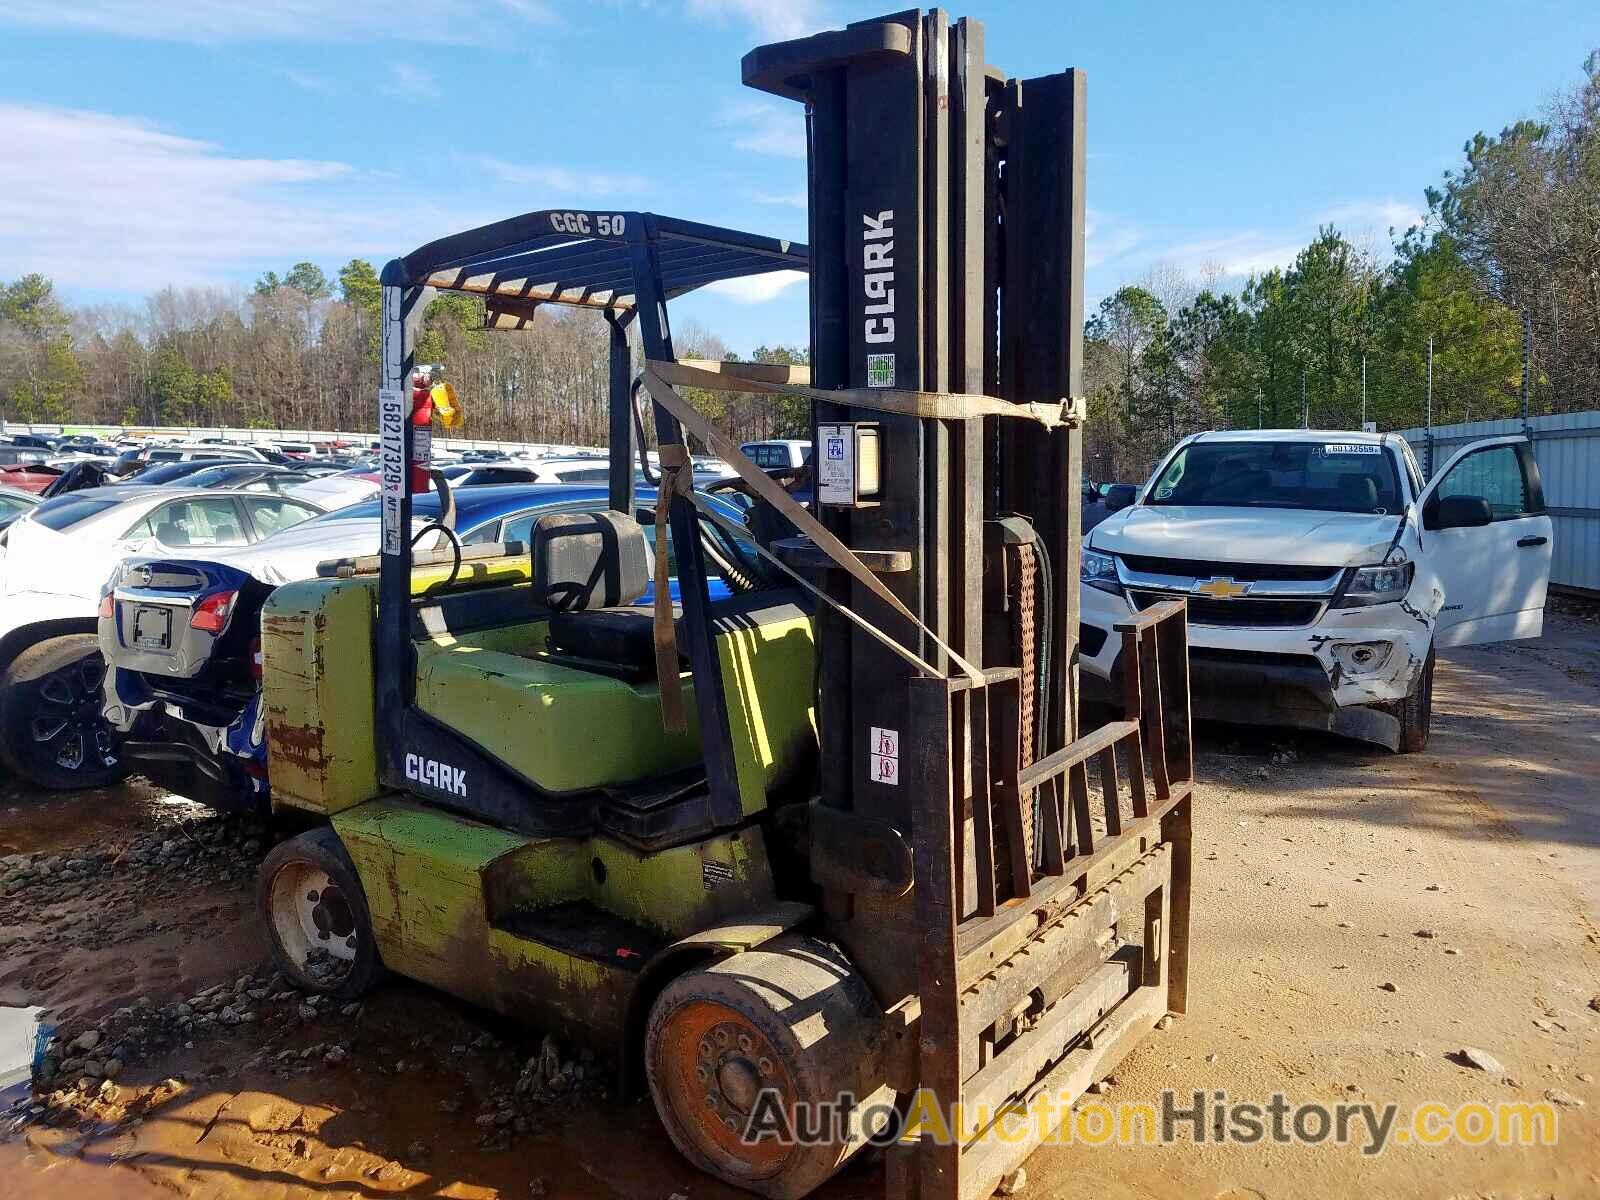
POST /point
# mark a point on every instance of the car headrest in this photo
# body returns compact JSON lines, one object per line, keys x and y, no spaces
{"x":1359,"y":490}
{"x":589,"y":560}
{"x":170,"y":533}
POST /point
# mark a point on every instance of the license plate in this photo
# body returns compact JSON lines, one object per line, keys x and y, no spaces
{"x":152,"y":628}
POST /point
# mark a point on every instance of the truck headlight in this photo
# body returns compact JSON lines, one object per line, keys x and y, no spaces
{"x":1382,"y":584}
{"x":1100,"y":571}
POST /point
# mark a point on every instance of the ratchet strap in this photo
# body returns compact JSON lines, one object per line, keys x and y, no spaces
{"x":677,"y":479}
{"x":768,"y":489}
{"x":940,"y":406}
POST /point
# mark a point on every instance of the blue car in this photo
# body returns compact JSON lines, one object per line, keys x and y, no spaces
{"x":181,"y":636}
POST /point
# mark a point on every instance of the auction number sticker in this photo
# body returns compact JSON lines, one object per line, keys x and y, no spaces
{"x":1350,"y":448}
{"x":392,"y":464}
{"x":885,"y":756}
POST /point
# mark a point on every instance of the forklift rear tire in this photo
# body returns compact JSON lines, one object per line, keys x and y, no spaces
{"x":316,"y":917}
{"x":790,"y":1021}
{"x":1416,"y":711}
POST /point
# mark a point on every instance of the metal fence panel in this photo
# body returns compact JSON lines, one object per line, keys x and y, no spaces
{"x":1567,"y":447}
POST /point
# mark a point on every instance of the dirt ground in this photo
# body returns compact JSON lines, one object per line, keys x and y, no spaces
{"x":1359,"y":919}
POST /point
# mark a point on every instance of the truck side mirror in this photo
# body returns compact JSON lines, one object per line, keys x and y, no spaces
{"x":1461,"y":512}
{"x":1120,"y":496}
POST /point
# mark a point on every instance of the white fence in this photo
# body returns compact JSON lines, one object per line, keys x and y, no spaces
{"x":1567,"y":447}
{"x":270,"y":436}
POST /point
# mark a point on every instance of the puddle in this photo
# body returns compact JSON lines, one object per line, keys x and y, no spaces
{"x":33,"y":822}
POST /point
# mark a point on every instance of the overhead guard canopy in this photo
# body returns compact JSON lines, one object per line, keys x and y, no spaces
{"x":586,"y":258}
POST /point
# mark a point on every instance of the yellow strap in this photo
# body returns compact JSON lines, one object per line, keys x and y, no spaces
{"x":676,"y":479}
{"x":941,"y":406}
{"x":767,"y":488}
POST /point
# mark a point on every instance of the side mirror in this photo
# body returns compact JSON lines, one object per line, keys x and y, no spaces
{"x":1462,"y":512}
{"x":1120,"y":496}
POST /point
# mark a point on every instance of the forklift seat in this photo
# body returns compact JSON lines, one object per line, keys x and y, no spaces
{"x":588,"y":568}
{"x":591,"y":560}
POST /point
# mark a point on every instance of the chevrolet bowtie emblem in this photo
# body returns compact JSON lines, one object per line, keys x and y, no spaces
{"x":1221,"y":588}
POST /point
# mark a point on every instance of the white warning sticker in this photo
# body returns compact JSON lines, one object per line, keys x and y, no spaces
{"x":392,"y":464}
{"x":885,"y":764}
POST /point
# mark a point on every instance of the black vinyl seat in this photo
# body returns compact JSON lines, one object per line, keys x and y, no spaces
{"x":625,"y":637}
{"x":590,"y":570}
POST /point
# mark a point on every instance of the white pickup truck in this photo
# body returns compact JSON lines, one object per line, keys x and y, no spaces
{"x":1321,"y":573}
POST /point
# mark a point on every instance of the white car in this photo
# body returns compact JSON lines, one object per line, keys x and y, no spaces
{"x":192,"y":451}
{"x":1322,"y":573}
{"x":55,"y":560}
{"x":778,"y":454}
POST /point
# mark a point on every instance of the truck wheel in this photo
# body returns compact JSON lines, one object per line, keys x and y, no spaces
{"x":52,"y":729}
{"x":316,"y":917}
{"x":1416,"y":711}
{"x":733,"y":1048}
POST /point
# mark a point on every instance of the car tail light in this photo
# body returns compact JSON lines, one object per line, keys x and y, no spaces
{"x":255,"y":659}
{"x":108,"y":607}
{"x":211,"y":614}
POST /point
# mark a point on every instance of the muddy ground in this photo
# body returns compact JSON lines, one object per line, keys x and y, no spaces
{"x":1359,"y":919}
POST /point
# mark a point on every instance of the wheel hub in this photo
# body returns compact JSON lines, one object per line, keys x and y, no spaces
{"x":719,"y":1070}
{"x":68,"y":726}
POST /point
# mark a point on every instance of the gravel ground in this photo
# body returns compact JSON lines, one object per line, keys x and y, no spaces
{"x":1361,"y":919}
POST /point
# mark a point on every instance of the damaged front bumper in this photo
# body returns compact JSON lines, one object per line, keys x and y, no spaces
{"x":1347,"y":673}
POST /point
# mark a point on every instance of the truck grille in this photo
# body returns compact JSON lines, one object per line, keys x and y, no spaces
{"x":1243,"y":572}
{"x":1246,"y":613}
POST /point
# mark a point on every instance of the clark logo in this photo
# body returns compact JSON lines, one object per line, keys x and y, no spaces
{"x":877,"y":263}
{"x":437,"y":774}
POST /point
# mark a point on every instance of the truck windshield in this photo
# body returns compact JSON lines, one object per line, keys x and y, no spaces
{"x":1327,"y":476}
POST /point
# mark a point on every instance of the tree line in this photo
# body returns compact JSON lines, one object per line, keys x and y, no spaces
{"x":301,"y":351}
{"x":1510,"y":244}
{"x":1509,"y":251}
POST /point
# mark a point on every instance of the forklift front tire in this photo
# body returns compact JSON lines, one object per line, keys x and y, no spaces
{"x":316,"y":918}
{"x":737,"y":1049}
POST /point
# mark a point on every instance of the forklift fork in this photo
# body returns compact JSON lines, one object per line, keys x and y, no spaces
{"x":1103,"y":915}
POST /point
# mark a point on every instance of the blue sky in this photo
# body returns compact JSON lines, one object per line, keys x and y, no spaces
{"x":202,"y":141}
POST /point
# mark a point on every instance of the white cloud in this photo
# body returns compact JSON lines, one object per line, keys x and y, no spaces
{"x":309,"y":82}
{"x":1373,"y":216}
{"x":779,"y":19}
{"x":1107,"y":238}
{"x":795,"y":199}
{"x":594,"y":184}
{"x":116,"y":204}
{"x":412,"y":81}
{"x":757,"y":289}
{"x":216,"y":21}
{"x":1236,"y":254}
{"x":763,"y":127}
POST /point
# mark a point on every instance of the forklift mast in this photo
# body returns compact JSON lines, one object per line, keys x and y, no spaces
{"x":947,"y":243}
{"x":947,"y":227}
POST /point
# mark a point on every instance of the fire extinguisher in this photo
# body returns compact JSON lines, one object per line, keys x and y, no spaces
{"x":421,"y":427}
{"x":431,"y":396}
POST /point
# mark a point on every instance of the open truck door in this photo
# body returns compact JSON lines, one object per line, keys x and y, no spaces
{"x":1488,"y":538}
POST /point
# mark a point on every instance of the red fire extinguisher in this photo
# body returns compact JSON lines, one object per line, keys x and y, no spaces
{"x":421,"y":427}
{"x":431,"y":396}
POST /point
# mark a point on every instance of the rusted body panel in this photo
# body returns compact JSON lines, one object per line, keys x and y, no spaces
{"x":473,"y":910}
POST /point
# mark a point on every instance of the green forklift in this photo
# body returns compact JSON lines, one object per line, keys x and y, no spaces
{"x":815,"y":842}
